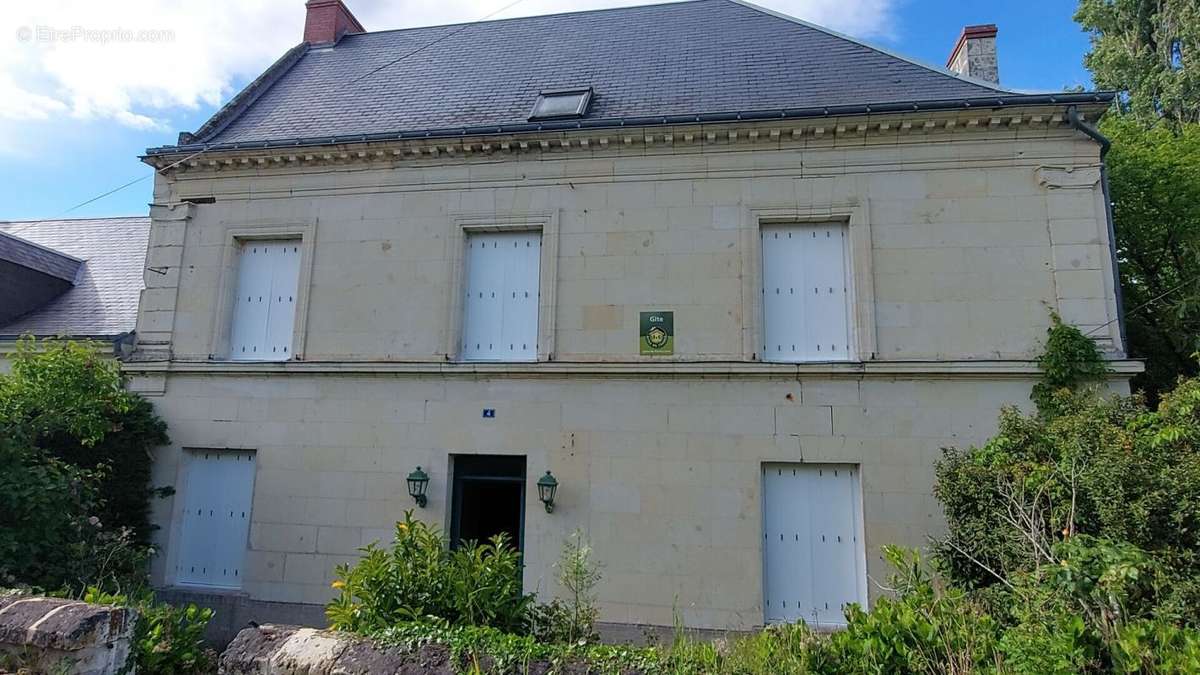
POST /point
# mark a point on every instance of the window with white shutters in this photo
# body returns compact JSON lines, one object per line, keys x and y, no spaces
{"x":814,"y":557}
{"x":500,"y":321}
{"x":218,"y":488}
{"x":264,"y":310}
{"x":806,"y":305}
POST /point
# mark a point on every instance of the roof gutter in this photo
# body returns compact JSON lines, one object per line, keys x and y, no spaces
{"x":126,"y":340}
{"x":657,"y":120}
{"x":1077,"y":122}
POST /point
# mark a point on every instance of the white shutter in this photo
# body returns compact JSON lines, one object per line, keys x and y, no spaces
{"x":500,"y":321}
{"x":814,"y":559}
{"x":218,"y":488}
{"x":281,"y":315}
{"x":264,"y":310}
{"x":805,"y":299}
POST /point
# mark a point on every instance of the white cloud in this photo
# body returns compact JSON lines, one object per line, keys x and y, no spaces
{"x":140,"y":62}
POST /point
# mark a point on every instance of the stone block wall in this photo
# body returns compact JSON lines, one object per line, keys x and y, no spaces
{"x":663,"y":474}
{"x":962,"y":244}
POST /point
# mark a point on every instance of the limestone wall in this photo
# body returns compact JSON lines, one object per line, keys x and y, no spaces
{"x":962,"y":242}
{"x":661,"y":473}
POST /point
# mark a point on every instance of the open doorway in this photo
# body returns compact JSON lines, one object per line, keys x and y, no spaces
{"x":488,"y":498}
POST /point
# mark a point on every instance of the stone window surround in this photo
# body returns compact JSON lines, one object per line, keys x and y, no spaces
{"x":235,"y":238}
{"x":860,"y":284}
{"x":464,"y":224}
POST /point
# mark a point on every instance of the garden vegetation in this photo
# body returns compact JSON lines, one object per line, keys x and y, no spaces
{"x":75,"y":494}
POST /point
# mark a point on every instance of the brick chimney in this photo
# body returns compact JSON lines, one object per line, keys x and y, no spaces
{"x":974,"y":54}
{"x":327,"y":21}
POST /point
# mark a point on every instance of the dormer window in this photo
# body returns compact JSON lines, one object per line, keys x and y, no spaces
{"x":561,"y":103}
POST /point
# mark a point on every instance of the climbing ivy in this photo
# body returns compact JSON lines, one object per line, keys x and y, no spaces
{"x":1069,"y":361}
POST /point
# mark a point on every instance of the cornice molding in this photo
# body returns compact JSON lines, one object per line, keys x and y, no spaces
{"x":799,"y":133}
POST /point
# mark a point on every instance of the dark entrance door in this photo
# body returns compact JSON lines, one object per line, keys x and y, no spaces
{"x":488,"y":498}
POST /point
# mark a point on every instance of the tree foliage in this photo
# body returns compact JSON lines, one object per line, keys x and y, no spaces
{"x":1154,"y":175}
{"x":1149,"y":49}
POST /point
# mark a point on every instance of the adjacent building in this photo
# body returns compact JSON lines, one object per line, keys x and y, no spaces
{"x":77,"y":278}
{"x":732,"y":279}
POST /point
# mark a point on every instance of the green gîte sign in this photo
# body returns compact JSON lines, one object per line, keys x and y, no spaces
{"x":656,"y":333}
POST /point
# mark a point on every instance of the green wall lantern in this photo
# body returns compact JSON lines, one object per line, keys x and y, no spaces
{"x":547,"y":486}
{"x":417,"y":482}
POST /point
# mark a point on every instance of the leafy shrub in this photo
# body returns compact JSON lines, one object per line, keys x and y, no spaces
{"x":168,"y":640}
{"x":1105,"y":467}
{"x":50,"y":535}
{"x":41,"y":500}
{"x":923,"y":629}
{"x":68,"y":399}
{"x":419,"y":577}
{"x":62,"y":388}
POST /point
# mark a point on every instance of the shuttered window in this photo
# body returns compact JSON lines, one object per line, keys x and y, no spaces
{"x":500,"y":321}
{"x":264,"y":310}
{"x":805,"y":300}
{"x":815,"y":561}
{"x":218,"y":487}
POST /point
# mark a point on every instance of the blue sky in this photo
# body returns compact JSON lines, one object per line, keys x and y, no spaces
{"x":75,"y":115}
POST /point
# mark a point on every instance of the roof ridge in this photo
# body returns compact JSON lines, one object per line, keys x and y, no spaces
{"x":994,"y":86}
{"x":48,"y":249}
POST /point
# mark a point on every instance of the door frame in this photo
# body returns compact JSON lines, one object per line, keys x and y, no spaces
{"x":486,"y":468}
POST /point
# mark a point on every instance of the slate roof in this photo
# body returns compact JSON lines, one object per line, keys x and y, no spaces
{"x":104,"y":300}
{"x":30,"y":254}
{"x":694,"y":58}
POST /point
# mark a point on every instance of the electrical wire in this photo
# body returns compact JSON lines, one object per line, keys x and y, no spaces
{"x":1146,"y":304}
{"x":132,"y":182}
{"x":447,"y":36}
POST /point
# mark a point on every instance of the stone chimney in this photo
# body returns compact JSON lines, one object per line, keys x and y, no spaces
{"x":975,"y":54}
{"x":327,"y":21}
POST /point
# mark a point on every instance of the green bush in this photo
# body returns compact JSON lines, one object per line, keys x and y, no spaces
{"x":67,"y":398}
{"x":50,"y":535}
{"x":76,"y":450}
{"x":167,"y":640}
{"x":923,"y":628}
{"x":1107,"y":467}
{"x":419,"y":577}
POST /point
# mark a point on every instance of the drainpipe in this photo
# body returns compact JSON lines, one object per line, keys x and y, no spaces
{"x":1077,"y":122}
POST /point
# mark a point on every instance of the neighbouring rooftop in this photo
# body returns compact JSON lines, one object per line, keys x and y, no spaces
{"x":77,"y":277}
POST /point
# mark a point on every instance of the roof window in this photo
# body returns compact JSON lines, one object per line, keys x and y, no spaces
{"x":560,"y":103}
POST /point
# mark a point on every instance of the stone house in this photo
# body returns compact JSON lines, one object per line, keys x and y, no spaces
{"x":79,"y":278}
{"x":731,"y":278}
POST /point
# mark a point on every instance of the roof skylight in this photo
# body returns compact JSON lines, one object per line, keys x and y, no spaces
{"x":561,"y":103}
